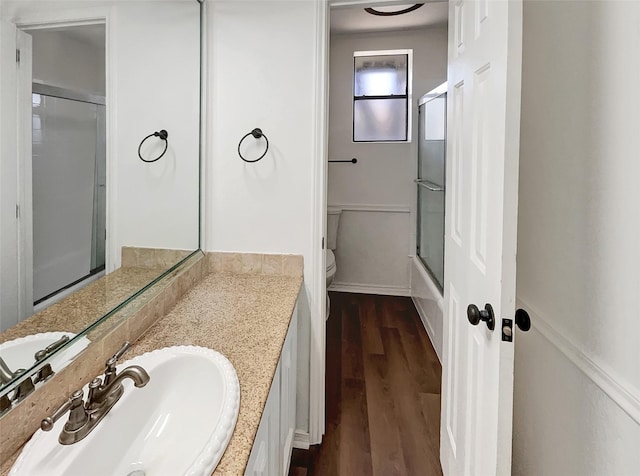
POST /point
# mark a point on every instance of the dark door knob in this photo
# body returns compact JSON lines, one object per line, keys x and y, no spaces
{"x":523,"y":321}
{"x":476,"y":315}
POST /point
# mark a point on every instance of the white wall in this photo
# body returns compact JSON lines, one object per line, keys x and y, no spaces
{"x":157,"y":73}
{"x":262,"y":73}
{"x":376,"y":238}
{"x":64,"y":60}
{"x":577,"y":372}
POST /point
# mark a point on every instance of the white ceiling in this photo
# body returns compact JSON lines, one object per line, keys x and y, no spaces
{"x":92,"y":34}
{"x":356,"y":20}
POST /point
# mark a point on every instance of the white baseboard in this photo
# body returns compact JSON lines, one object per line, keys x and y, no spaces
{"x":301,"y":440}
{"x":370,"y":289}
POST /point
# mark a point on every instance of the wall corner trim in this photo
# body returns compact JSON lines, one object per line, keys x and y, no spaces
{"x":621,"y":392}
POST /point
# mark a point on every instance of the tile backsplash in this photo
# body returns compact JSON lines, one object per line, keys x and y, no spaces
{"x":255,"y":264}
{"x":136,"y":257}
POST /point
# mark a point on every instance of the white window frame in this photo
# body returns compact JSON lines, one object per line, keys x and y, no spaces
{"x":409,"y":53}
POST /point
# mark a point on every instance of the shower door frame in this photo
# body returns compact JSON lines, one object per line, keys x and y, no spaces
{"x":438,"y":92}
{"x":70,"y":95}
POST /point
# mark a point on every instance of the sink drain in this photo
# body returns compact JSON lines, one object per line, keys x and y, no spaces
{"x":137,"y":472}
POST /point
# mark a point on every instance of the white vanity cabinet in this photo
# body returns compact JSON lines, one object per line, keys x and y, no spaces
{"x":271,"y":452}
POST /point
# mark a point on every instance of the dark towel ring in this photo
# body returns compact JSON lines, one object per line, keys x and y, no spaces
{"x":163,"y":135}
{"x":256,"y":133}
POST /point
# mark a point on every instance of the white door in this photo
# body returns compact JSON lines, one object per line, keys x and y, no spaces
{"x":16,"y":301}
{"x":8,"y":177}
{"x":485,"y":49}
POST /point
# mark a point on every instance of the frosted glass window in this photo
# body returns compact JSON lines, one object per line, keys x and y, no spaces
{"x":380,"y":75}
{"x":381,"y":96}
{"x":380,"y":120}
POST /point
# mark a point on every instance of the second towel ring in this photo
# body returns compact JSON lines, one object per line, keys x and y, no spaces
{"x":163,"y":135}
{"x":257,"y":134}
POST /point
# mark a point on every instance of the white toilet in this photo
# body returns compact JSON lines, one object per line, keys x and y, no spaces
{"x":333,"y":221}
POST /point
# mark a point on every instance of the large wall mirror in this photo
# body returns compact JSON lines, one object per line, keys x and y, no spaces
{"x":88,"y":216}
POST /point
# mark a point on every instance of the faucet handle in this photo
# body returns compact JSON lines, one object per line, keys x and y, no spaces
{"x":110,"y":371}
{"x":114,"y":358}
{"x":73,"y":401}
{"x":41,"y":354}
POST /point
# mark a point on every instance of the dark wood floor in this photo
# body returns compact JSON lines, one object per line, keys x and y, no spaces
{"x":383,"y":392}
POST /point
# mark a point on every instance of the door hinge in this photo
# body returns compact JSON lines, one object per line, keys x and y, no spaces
{"x":323,"y":242}
{"x":17,"y":211}
{"x":17,"y":56}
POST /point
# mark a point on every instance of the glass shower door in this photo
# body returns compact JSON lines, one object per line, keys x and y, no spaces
{"x":430,"y":182}
{"x":69,"y":173}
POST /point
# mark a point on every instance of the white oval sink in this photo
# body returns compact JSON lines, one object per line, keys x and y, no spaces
{"x":178,"y":424}
{"x":20,"y":353}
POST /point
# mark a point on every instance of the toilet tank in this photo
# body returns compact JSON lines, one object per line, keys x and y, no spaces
{"x":333,"y":221}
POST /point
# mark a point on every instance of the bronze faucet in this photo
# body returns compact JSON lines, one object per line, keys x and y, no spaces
{"x":103,"y":395}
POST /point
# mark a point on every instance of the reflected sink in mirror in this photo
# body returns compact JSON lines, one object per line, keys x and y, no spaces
{"x":21,"y":353}
{"x":179,"y":423}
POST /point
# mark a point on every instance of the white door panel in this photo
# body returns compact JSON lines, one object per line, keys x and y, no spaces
{"x":15,"y":156}
{"x":8,"y":177}
{"x":25,"y":177}
{"x":481,"y":215}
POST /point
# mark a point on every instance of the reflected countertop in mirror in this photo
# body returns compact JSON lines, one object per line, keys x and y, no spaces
{"x":81,"y":309}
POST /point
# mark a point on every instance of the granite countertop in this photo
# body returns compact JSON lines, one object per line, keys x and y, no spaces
{"x":244,"y":317}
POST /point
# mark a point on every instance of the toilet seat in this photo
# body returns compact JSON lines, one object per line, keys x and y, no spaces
{"x":331,"y":261}
{"x":330,"y":274}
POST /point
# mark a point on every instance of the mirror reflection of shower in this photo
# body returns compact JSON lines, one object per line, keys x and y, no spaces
{"x":69,"y":160}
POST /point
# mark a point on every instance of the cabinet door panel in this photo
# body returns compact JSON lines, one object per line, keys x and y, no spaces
{"x":271,"y":452}
{"x":288,"y":381}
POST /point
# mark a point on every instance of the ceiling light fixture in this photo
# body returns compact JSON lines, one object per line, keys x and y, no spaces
{"x":391,"y":13}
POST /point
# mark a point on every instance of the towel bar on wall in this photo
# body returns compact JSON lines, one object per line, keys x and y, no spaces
{"x":162,"y":135}
{"x":433,"y":187}
{"x":350,"y":161}
{"x":257,"y":134}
